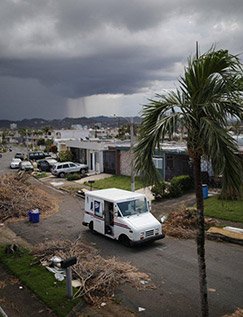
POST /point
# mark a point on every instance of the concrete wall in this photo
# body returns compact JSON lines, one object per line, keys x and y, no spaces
{"x":125,"y":163}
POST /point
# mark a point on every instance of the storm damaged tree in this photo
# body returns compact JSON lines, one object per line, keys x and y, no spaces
{"x":209,"y":93}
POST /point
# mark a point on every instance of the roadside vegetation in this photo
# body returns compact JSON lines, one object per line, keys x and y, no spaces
{"x":230,"y":210}
{"x":39,"y":175}
{"x":39,"y":280}
{"x":122,"y":182}
{"x":178,"y":186}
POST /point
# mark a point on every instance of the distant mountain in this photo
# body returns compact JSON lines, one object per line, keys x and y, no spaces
{"x":66,"y":123}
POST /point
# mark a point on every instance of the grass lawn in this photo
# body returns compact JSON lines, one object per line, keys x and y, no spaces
{"x":224,"y":209}
{"x":39,"y":280}
{"x":122,"y":182}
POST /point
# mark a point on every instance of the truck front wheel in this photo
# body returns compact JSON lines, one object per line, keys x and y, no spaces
{"x":125,"y":240}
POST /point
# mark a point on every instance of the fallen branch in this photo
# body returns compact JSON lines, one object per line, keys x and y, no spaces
{"x":18,"y":196}
{"x":99,"y":277}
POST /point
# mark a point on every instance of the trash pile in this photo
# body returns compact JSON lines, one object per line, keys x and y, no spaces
{"x":237,"y":313}
{"x":17,"y":196}
{"x":183,"y":224}
{"x":97,"y":277}
{"x":229,"y":234}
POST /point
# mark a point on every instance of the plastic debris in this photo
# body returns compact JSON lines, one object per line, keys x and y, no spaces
{"x":212,"y":290}
{"x":143,"y":282}
{"x":163,"y":219}
{"x":102,"y":304}
{"x":141,"y":309}
{"x":76,"y":283}
{"x":59,"y":277}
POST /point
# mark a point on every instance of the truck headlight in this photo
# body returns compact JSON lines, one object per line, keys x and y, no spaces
{"x":156,"y":231}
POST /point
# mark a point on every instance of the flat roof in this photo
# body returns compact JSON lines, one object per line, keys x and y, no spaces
{"x":114,"y":194}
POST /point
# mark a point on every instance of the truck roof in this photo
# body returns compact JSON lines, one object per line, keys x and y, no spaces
{"x":114,"y":194}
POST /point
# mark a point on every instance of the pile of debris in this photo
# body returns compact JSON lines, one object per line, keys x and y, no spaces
{"x":237,"y":313}
{"x":98,"y":277}
{"x":183,"y":224}
{"x":18,"y":196}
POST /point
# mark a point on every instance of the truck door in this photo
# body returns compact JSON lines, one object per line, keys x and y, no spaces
{"x":99,"y":223}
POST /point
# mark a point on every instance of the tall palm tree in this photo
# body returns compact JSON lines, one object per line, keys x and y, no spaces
{"x":209,"y":93}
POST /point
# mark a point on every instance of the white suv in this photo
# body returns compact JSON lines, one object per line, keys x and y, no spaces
{"x":61,"y":169}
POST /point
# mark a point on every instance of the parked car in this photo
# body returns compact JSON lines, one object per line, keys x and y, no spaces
{"x":46,"y":165}
{"x":37,"y":155}
{"x":19,"y":155}
{"x":15,"y":163}
{"x":26,"y":166}
{"x":61,"y":169}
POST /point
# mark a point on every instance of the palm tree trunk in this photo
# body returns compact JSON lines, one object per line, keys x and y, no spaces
{"x":201,"y":236}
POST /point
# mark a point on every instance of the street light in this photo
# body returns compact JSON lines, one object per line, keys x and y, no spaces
{"x":132,"y":154}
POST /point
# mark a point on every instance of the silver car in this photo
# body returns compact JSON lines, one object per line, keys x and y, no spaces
{"x":15,"y":163}
{"x":61,"y":169}
{"x":26,"y":166}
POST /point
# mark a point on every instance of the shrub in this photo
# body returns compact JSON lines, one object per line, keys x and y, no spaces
{"x":175,"y":190}
{"x":179,"y":185}
{"x":159,"y":190}
{"x":65,"y":156}
{"x":183,"y":181}
{"x":73,"y":177}
{"x":41,"y":175}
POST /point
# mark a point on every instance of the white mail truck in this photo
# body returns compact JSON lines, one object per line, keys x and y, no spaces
{"x":121,"y":215}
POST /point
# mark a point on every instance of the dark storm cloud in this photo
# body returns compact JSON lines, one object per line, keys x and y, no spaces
{"x":26,"y":98}
{"x":78,"y":77}
{"x":73,"y":49}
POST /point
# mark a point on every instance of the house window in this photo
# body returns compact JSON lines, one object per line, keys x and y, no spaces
{"x":158,"y":163}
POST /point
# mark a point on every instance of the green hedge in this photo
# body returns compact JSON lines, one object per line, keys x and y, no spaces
{"x":73,"y":177}
{"x":183,"y":183}
{"x":177,"y":187}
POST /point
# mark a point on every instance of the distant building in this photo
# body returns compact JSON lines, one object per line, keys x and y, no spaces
{"x":71,"y":134}
{"x":13,"y":126}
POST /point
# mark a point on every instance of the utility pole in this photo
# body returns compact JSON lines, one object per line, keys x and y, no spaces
{"x":131,"y":151}
{"x":132,"y":156}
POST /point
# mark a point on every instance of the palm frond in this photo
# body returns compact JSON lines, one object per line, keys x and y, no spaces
{"x":159,"y":119}
{"x":210,"y":93}
{"x":222,"y":149}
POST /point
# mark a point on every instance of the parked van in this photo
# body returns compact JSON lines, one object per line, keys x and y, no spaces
{"x":121,"y":215}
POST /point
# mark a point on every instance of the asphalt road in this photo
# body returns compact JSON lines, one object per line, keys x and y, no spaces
{"x":7,"y":157}
{"x":171,"y":263}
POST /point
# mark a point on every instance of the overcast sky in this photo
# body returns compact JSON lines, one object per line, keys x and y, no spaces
{"x":72,"y":58}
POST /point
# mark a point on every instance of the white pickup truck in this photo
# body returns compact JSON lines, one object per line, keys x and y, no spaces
{"x":121,"y":215}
